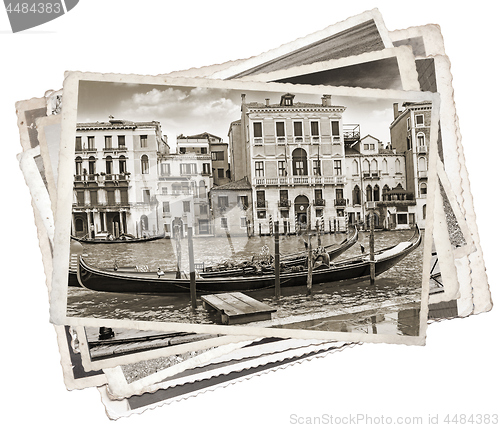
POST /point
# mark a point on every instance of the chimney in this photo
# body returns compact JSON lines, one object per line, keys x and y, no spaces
{"x":243,"y":98}
{"x":395,"y":109}
{"x":267,"y":102}
{"x":326,"y":100}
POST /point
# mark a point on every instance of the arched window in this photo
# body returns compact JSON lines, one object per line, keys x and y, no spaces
{"x":299,"y":162}
{"x":422,"y":164}
{"x":423,"y":189}
{"x":386,"y":189}
{"x":374,"y":166}
{"x":376,"y":193}
{"x":144,"y":222}
{"x":385,"y":168}
{"x":369,"y":193}
{"x":424,"y":212}
{"x":78,"y":165}
{"x":366,"y":166}
{"x":420,"y":139}
{"x":91,"y":165}
{"x":109,"y":165}
{"x":202,"y":189}
{"x":355,"y":167}
{"x":356,"y":196}
{"x":398,"y":166}
{"x":144,"y":164}
{"x":122,"y":164}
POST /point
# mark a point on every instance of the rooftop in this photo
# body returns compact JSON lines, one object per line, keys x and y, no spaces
{"x":242,"y":184}
{"x":115,"y":124}
{"x":199,"y":136}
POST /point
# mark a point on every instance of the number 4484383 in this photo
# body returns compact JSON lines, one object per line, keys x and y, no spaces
{"x":479,"y":419}
{"x":33,"y":8}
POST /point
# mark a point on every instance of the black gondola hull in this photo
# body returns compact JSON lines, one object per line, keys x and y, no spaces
{"x":118,"y":240}
{"x":359,"y":268}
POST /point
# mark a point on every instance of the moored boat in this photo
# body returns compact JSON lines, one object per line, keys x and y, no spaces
{"x":353,"y":268}
{"x":286,"y":261}
{"x":110,"y":239}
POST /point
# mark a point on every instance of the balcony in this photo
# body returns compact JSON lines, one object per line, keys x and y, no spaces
{"x":120,"y":149}
{"x":258,"y":141}
{"x":422,"y":174}
{"x":297,"y":180}
{"x":260,"y":204}
{"x":371,"y":175}
{"x":86,"y":177}
{"x":280,"y":141}
{"x":340,"y":179}
{"x":421,"y":149}
{"x":351,"y":132}
{"x":84,"y":150}
{"x":340,"y":202}
{"x":97,"y":205}
{"x":116,"y":177}
{"x":319,"y":202}
{"x":284,"y":203}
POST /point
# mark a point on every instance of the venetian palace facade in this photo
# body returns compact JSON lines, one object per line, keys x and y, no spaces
{"x":116,"y":177}
{"x":293,"y":156}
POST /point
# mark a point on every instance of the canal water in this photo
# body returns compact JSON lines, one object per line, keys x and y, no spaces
{"x":346,"y":306}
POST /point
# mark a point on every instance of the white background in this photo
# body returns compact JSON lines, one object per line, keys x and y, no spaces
{"x":456,"y":372}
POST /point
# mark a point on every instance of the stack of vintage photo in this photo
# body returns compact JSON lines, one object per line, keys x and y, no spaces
{"x":207,"y":225}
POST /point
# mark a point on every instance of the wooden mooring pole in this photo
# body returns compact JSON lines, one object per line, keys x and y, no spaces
{"x":372,"y":248}
{"x":192,"y":274}
{"x":309,"y":253}
{"x":178,"y":250}
{"x":277,"y":286}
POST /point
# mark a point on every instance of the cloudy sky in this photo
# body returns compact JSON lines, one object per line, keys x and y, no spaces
{"x":192,"y":110}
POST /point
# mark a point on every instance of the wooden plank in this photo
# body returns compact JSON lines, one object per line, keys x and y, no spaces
{"x":241,"y":319}
{"x":255,"y":303}
{"x":220,"y":305}
{"x":237,"y":308}
{"x":237,"y":303}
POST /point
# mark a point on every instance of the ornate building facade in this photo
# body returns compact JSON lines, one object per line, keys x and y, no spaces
{"x":116,"y":177}
{"x":293,"y":156}
{"x":410,"y":135}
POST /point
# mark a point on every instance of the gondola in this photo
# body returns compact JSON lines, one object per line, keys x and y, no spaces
{"x":286,"y":261}
{"x":353,"y":268}
{"x":110,"y":239}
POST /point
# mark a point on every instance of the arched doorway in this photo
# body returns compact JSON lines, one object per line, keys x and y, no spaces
{"x":144,"y":225}
{"x":80,"y":226}
{"x":376,"y":219}
{"x":301,"y":204}
{"x":177,"y":228}
{"x":115,"y":223}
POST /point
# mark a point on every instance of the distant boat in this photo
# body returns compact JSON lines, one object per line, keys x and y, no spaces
{"x":106,"y":238}
{"x":354,"y":268}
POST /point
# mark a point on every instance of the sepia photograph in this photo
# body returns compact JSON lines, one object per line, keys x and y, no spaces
{"x":217,"y":206}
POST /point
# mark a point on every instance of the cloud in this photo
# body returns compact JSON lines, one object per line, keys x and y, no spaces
{"x":185,"y":110}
